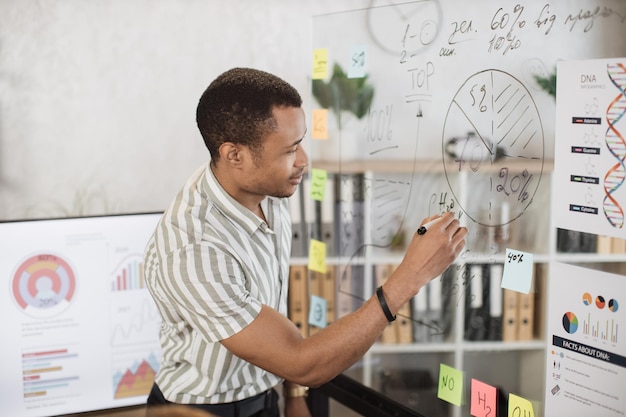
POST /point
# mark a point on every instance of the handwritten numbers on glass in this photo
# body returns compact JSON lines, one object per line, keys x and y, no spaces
{"x":514,"y":186}
{"x":478,"y":97}
{"x":379,"y":130}
{"x":503,"y":21}
{"x":417,"y":37}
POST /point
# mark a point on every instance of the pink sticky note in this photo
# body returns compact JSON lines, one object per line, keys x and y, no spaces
{"x":484,"y":399}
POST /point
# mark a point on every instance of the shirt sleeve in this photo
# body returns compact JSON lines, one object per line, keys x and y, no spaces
{"x":208,"y":288}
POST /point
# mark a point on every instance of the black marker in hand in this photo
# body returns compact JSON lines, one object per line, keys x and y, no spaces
{"x":424,"y":228}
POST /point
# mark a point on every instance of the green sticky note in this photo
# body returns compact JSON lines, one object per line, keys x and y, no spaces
{"x":450,"y":385}
{"x":318,"y":184}
{"x":519,"y":406}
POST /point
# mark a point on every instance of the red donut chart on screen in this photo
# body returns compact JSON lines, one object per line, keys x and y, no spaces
{"x":43,"y":285}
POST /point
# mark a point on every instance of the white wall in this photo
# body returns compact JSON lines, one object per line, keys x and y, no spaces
{"x":98,"y":97}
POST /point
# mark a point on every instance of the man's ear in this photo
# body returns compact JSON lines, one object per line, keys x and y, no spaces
{"x":231,"y":153}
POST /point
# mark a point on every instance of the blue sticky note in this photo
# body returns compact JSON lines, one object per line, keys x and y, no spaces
{"x":358,"y":62}
{"x":317,"y":312}
{"x":518,"y":271}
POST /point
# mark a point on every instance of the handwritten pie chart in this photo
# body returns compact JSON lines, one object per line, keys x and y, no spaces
{"x":570,"y":322}
{"x":587,"y":299}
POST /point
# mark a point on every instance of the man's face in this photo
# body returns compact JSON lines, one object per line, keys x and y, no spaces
{"x":279,"y":165}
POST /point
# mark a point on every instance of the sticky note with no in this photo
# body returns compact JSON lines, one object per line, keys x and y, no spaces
{"x":450,"y":387}
{"x":484,"y":399}
{"x":317,"y":312}
{"x":320,"y":124}
{"x":320,"y":63}
{"x":317,"y":256}
{"x":519,"y":406}
{"x":518,"y":271}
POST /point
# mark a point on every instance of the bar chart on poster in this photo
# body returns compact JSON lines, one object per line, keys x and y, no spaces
{"x":586,"y":360}
{"x":83,"y":328}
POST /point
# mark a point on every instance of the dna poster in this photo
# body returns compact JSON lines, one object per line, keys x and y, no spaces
{"x":586,"y":355}
{"x":590,"y":147}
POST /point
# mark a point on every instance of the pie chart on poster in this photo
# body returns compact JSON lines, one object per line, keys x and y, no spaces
{"x":570,"y":322}
{"x":43,"y":285}
{"x":587,"y":299}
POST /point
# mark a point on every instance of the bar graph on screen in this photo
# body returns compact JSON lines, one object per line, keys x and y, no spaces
{"x":50,"y":373}
{"x":128,"y":275}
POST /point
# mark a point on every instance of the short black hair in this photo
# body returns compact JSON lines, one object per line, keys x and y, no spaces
{"x":237,"y":107}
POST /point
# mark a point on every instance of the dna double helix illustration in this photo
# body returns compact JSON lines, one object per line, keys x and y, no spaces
{"x":615,"y":176}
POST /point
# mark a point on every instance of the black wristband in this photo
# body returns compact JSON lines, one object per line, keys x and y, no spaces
{"x":383,"y":304}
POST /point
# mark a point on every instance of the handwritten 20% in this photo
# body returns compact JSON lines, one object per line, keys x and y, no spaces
{"x":516,"y":185}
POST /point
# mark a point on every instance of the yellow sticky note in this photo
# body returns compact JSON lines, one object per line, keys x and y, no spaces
{"x":320,"y":63}
{"x":450,"y":385}
{"x":318,"y":183}
{"x":320,"y":124}
{"x":519,"y":406}
{"x":317,"y":256}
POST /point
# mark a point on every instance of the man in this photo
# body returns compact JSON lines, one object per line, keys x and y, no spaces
{"x":217,"y":265}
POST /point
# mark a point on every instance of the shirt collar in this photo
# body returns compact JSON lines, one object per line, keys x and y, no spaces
{"x":228,"y":205}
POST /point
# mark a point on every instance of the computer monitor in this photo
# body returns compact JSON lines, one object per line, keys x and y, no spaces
{"x":80,"y":329}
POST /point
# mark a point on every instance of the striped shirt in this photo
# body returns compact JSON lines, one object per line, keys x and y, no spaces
{"x":209,"y":266}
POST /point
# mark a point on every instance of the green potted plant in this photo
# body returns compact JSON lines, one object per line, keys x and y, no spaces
{"x":547,"y":83}
{"x":344,"y":97}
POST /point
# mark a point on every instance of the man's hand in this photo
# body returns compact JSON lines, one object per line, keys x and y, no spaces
{"x":428,"y":256}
